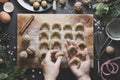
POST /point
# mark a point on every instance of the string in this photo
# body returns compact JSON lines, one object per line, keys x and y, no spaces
{"x":110,"y":66}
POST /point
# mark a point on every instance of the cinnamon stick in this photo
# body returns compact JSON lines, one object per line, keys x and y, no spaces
{"x":27,"y":24}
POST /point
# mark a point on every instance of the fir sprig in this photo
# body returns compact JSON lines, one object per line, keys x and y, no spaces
{"x":10,"y":72}
{"x":107,"y":11}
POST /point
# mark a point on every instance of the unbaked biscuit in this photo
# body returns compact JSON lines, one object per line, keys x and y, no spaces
{"x":68,"y":35}
{"x":79,"y":27}
{"x":82,"y":45}
{"x":56,"y":26}
{"x":43,"y":34}
{"x":44,"y":44}
{"x":45,"y":26}
{"x":75,"y":61}
{"x":79,"y":35}
{"x":55,"y":34}
{"x":67,"y":26}
{"x":71,"y":50}
{"x":56,"y":44}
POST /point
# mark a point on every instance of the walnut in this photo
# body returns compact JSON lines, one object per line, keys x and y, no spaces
{"x":78,"y":6}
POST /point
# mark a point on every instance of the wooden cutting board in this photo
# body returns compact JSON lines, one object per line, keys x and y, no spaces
{"x":34,"y":28}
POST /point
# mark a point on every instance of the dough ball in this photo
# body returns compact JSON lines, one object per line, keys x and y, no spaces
{"x":31,"y":50}
{"x":82,"y":45}
{"x":78,"y":6}
{"x":44,"y":4}
{"x":86,"y":2}
{"x":4,"y":17}
{"x":31,"y":1}
{"x":36,"y":5}
{"x":23,"y":55}
{"x":26,"y":39}
{"x":38,"y":1}
{"x":110,"y":49}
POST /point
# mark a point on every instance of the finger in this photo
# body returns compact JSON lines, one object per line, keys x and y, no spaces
{"x":75,"y":44}
{"x":58,"y":61}
{"x":74,"y":68}
{"x":68,"y":42}
{"x":42,"y":63}
{"x":66,"y":55}
{"x":87,"y":55}
{"x":49,"y":53}
{"x":66,"y":45}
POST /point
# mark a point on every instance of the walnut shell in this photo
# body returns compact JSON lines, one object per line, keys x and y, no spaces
{"x":78,"y":6}
{"x":31,"y":50}
{"x":26,"y":39}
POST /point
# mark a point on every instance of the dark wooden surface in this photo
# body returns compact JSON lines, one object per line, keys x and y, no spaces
{"x":65,"y":74}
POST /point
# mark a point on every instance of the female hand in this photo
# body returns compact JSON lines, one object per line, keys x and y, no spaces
{"x":81,"y":73}
{"x":50,"y":68}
